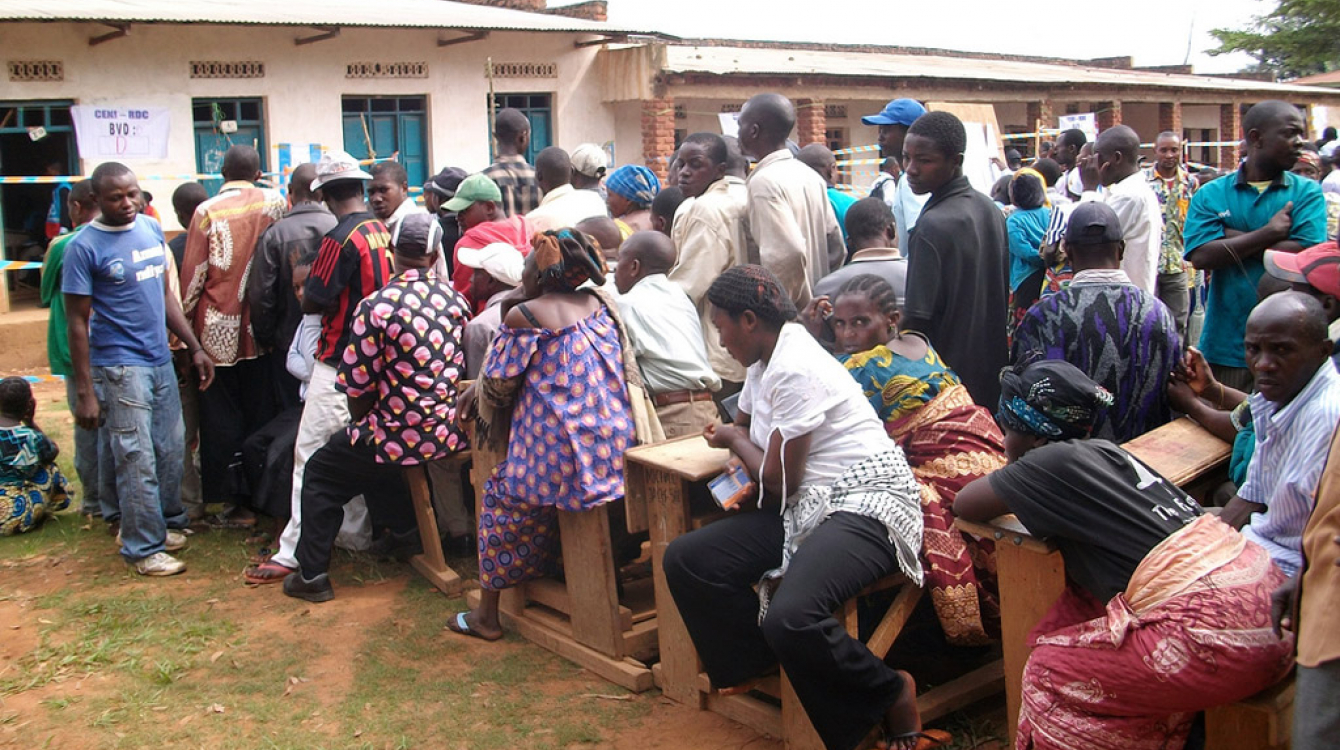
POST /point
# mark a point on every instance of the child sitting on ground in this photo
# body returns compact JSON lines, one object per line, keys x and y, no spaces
{"x":31,"y":487}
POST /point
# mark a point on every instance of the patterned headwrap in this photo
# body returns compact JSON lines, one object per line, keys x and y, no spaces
{"x":566,"y":258}
{"x":1051,"y":399}
{"x":1022,"y":193}
{"x":635,"y":183}
{"x":1310,"y":157}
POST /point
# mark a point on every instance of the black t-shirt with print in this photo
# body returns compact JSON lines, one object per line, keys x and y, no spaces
{"x":1101,"y":506}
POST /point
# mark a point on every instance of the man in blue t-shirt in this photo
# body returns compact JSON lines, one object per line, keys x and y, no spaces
{"x":119,"y":310}
{"x":1234,"y":219}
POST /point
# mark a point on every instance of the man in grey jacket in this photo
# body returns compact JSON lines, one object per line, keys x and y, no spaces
{"x":275,"y":312}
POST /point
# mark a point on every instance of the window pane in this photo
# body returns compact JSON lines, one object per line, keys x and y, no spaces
{"x":355,"y":105}
{"x":60,"y":116}
{"x":200,"y":112}
{"x":383,"y":105}
{"x":33,"y":117}
{"x":411,"y":104}
{"x":250,"y":111}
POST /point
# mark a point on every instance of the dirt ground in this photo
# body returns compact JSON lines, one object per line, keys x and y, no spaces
{"x":93,"y":656}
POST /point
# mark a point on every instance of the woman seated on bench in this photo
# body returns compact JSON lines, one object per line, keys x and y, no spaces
{"x":1167,"y":611}
{"x":557,"y":373}
{"x":849,"y":516}
{"x":948,"y":440}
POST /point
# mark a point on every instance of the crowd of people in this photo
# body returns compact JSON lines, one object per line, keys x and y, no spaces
{"x":879,"y":365}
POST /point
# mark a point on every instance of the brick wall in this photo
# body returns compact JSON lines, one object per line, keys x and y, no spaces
{"x":1170,"y":117}
{"x":534,"y":6}
{"x":1108,"y":114}
{"x":658,"y":134}
{"x":1230,"y":129}
{"x":811,"y":122}
{"x":595,"y":10}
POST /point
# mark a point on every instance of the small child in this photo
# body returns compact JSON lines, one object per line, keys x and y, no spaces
{"x":31,"y":487}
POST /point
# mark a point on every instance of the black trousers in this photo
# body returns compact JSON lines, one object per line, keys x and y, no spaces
{"x":337,"y":473}
{"x":239,"y":402}
{"x":267,"y":459}
{"x":844,"y":688}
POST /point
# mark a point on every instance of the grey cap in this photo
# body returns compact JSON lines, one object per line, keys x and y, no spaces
{"x":1092,"y":223}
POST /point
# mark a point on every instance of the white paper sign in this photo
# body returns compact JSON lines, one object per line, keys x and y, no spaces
{"x":108,"y":132}
{"x":730,"y":124}
{"x":1085,"y":122}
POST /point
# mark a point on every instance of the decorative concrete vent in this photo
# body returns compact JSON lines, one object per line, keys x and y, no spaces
{"x":729,"y":108}
{"x":386,"y":70}
{"x":36,"y":70}
{"x":525,"y":70}
{"x":681,"y":112}
{"x":227,"y":69}
{"x":835,"y":111}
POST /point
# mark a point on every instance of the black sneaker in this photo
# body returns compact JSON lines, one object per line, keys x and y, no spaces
{"x":316,"y":590}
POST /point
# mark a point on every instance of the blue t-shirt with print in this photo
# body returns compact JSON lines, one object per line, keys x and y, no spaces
{"x":122,"y":269}
{"x":1230,"y":202}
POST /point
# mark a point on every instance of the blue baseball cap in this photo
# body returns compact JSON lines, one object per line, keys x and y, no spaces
{"x":897,"y":112}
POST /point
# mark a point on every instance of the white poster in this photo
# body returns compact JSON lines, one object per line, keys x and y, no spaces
{"x":730,"y":124}
{"x":110,"y":132}
{"x":1085,"y":122}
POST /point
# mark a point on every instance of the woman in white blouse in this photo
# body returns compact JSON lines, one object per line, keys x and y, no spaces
{"x":837,"y":510}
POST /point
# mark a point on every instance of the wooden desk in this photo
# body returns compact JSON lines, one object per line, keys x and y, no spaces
{"x":1030,"y":571}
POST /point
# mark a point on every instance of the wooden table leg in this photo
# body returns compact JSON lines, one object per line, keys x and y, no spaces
{"x":588,"y":565}
{"x":1030,"y":583}
{"x":668,"y":511}
{"x":431,"y":563}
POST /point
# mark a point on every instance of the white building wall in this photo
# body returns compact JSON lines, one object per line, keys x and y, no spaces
{"x":303,"y":85}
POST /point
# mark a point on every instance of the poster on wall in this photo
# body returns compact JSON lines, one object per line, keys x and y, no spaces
{"x":107,"y":132}
{"x":290,"y":156}
{"x":1085,"y":122}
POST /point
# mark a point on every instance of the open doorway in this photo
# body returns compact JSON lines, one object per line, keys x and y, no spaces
{"x":36,"y":139}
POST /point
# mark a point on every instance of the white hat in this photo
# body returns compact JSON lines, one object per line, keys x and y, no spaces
{"x":337,"y":165}
{"x":590,"y":160}
{"x":502,"y":261}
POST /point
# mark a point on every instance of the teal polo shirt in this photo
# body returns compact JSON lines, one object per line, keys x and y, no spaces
{"x":1230,"y":202}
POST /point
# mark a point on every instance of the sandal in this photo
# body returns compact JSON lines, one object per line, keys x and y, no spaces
{"x":267,"y":572}
{"x":923,"y":740}
{"x":221,"y":521}
{"x":458,"y":624}
{"x":262,"y":555}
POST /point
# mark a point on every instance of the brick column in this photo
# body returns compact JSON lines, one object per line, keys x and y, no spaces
{"x":658,"y":134}
{"x":1170,"y":117}
{"x":1230,"y":129}
{"x":1044,"y":111}
{"x":1108,"y":114}
{"x":811,"y":122}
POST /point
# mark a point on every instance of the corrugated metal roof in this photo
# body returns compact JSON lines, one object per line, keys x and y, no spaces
{"x":748,"y":60}
{"x":395,"y":14}
{"x":1321,"y":79}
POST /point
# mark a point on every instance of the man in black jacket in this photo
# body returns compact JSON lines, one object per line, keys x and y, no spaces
{"x":958,"y":259}
{"x":275,"y":313}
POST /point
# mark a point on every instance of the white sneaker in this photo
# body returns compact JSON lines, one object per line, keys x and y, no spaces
{"x":159,"y":564}
{"x":174,"y":541}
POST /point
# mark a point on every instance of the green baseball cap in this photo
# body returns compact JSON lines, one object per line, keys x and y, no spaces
{"x":475,"y":188}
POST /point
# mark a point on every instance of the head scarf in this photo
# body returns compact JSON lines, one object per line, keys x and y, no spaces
{"x":1310,"y":157}
{"x":635,"y":183}
{"x":1025,"y":193}
{"x":567,"y":258}
{"x":1051,"y":399}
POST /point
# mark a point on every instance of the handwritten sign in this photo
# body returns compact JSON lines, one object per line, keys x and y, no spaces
{"x":1085,"y":122}
{"x":107,"y":131}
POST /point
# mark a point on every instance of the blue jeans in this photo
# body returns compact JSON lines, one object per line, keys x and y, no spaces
{"x":93,"y":464}
{"x":142,"y":412}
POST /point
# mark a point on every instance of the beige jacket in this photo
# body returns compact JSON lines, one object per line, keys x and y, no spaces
{"x":792,"y":222}
{"x":709,"y":236}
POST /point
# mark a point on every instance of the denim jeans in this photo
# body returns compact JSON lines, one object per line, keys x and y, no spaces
{"x":93,"y":464}
{"x":142,"y":412}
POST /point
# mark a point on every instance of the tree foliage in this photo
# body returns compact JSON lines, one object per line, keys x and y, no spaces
{"x":1298,"y":38}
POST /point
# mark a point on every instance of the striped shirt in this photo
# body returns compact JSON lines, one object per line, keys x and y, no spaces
{"x":353,"y":262}
{"x":1292,"y":443}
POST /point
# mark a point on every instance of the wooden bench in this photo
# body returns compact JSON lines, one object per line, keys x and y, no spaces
{"x":662,"y":481}
{"x":582,"y":618}
{"x":431,"y":563}
{"x":1031,"y":575}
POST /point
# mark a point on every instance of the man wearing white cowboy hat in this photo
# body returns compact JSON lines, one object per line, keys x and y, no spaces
{"x":497,"y":277}
{"x":353,"y":262}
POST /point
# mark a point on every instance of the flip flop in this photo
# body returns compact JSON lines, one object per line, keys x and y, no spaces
{"x":924,"y":740}
{"x":267,"y":572}
{"x":458,"y":624}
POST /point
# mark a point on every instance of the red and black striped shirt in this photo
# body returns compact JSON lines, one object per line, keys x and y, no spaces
{"x":353,"y":262}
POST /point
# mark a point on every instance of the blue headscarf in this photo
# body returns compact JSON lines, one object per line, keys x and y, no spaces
{"x":635,"y":183}
{"x":1051,"y":399}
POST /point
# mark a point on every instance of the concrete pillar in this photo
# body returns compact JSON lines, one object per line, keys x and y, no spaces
{"x":658,"y":134}
{"x":811,"y":122}
{"x":1107,"y":114}
{"x":1230,"y":129}
{"x":1170,"y":117}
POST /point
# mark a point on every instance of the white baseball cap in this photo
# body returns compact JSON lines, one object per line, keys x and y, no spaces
{"x":499,"y":259}
{"x":590,"y":160}
{"x":337,"y":165}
